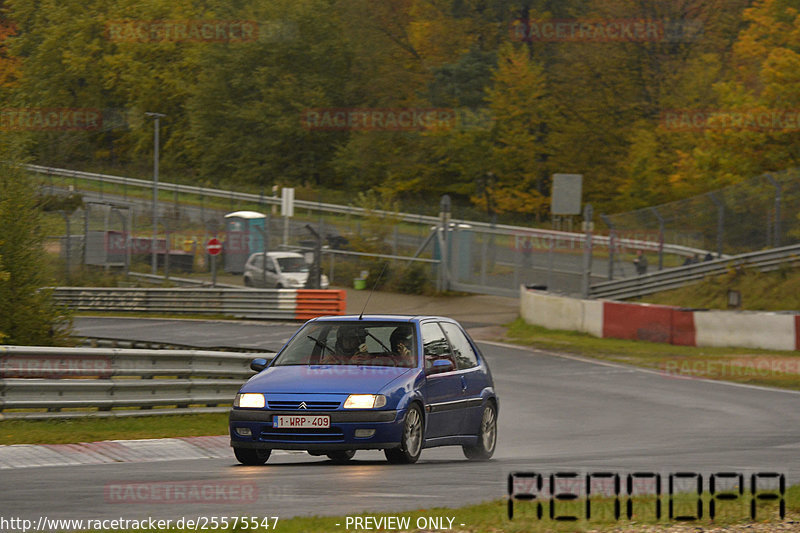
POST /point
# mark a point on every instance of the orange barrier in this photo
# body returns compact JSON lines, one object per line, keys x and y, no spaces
{"x":313,"y":303}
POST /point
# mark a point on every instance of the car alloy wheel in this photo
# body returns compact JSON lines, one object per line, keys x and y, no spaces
{"x":251,"y":456}
{"x":411,"y":440}
{"x":487,"y":438}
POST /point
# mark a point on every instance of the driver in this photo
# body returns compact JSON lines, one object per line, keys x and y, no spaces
{"x":350,"y":347}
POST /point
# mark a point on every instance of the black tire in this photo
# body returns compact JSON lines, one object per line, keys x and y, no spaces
{"x":341,"y":456}
{"x":247,"y":282}
{"x":487,"y":436}
{"x":411,"y":440}
{"x":278,"y":286}
{"x":251,"y":456}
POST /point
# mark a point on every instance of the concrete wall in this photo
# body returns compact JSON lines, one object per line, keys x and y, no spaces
{"x":749,"y":330}
{"x":661,"y":323}
{"x":557,"y":312}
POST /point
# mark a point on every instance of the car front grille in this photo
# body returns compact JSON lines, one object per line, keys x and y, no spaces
{"x":310,"y":405}
{"x":301,"y":435}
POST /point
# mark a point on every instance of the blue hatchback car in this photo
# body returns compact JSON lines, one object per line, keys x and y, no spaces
{"x":380,"y":382}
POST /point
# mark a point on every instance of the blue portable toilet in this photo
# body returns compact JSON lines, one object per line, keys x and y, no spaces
{"x":244,"y":235}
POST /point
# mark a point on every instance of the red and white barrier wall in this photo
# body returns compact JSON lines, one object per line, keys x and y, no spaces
{"x":661,"y":323}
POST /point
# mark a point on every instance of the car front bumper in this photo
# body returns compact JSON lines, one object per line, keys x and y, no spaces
{"x":387,"y":426}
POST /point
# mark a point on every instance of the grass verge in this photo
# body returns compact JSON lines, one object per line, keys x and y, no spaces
{"x":760,"y":291}
{"x":491,"y":517}
{"x":741,"y":365}
{"x":96,"y":429}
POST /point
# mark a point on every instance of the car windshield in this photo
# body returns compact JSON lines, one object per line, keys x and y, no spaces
{"x":292,"y":264}
{"x":362,"y":343}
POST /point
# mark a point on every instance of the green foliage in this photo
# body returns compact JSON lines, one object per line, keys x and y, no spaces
{"x":57,"y":202}
{"x":27,"y":312}
{"x":380,"y":273}
{"x":523,"y":110}
{"x":413,"y":280}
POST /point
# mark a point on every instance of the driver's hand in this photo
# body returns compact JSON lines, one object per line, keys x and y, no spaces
{"x":403,"y":351}
{"x":329,"y":359}
{"x":361,"y":356}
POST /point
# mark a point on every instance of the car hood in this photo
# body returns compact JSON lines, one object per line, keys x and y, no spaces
{"x":323,"y":379}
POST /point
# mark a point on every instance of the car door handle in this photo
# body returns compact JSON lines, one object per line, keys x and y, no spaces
{"x":463,"y":384}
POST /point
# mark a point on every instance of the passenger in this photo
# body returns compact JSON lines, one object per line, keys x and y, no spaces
{"x":400,"y":342}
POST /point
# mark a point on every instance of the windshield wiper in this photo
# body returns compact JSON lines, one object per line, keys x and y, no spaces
{"x":322,"y":344}
{"x":379,"y":342}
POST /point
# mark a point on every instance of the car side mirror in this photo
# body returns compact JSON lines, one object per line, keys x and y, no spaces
{"x":441,"y":365}
{"x":258,"y":364}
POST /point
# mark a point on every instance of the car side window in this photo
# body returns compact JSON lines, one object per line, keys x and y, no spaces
{"x":435,"y":344}
{"x":258,"y":262}
{"x":270,"y":264}
{"x":462,"y":349}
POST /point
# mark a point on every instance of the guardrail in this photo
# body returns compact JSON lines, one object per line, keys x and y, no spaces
{"x":677,"y":277}
{"x":282,"y":304}
{"x":45,"y":382}
{"x":189,"y":282}
{"x":359,"y":211}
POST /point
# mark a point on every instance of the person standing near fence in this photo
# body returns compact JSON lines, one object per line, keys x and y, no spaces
{"x":640,"y":263}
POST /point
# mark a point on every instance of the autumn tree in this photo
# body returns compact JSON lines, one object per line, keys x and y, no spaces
{"x":765,"y":85}
{"x":28,"y":314}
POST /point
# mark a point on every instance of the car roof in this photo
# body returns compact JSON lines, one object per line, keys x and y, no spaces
{"x":279,"y":255}
{"x":381,"y":318}
{"x":246,"y":214}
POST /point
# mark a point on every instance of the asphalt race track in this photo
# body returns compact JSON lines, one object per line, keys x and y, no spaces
{"x":557,"y":413}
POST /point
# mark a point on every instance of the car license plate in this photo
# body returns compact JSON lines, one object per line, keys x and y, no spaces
{"x":301,"y":421}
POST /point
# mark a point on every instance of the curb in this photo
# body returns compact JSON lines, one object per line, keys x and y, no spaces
{"x":114,"y":451}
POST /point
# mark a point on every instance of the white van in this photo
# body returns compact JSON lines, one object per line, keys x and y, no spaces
{"x":284,"y":270}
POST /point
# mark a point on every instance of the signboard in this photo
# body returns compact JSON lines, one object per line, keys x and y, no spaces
{"x":566,"y":194}
{"x":213,"y":247}
{"x":287,"y":202}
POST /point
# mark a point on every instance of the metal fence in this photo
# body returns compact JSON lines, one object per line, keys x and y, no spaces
{"x":114,"y":231}
{"x":281,"y":304}
{"x":768,"y":260}
{"x":422,"y":252}
{"x":43,"y":382}
{"x":756,"y":214}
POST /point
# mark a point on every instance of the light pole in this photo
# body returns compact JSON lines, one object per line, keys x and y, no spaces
{"x":154,"y":255}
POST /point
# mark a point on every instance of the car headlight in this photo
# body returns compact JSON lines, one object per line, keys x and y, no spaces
{"x":248,"y":399}
{"x":365,"y":401}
